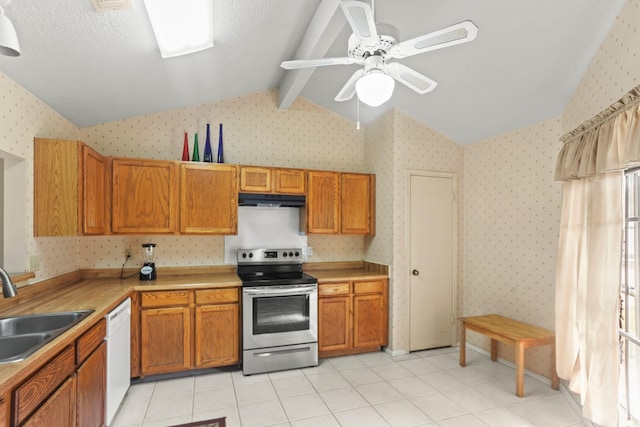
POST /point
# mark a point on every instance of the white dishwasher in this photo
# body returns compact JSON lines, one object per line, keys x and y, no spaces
{"x":118,"y":357}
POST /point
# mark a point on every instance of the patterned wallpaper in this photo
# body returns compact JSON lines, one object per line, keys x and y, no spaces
{"x":24,"y":117}
{"x":613,"y":70}
{"x":394,"y":144}
{"x":511,"y":222}
{"x":255,"y":132}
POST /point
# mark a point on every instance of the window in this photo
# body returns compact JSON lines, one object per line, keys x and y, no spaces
{"x":13,"y":216}
{"x":629,"y":305}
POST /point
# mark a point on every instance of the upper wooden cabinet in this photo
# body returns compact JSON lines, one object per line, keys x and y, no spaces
{"x":208,"y":198}
{"x":255,"y":179}
{"x":357,"y":203}
{"x":340,"y":203}
{"x":323,"y":202}
{"x":145,"y":196}
{"x":94,"y":206}
{"x":70,"y":189}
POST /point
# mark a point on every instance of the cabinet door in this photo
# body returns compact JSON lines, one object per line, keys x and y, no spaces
{"x":357,"y":203}
{"x":334,"y":323}
{"x":208,"y":199}
{"x":32,"y":393}
{"x":4,"y":410}
{"x":323,"y":199}
{"x":91,"y":383}
{"x":58,"y":410}
{"x":289,"y":181}
{"x":55,"y":187}
{"x":165,"y":340}
{"x":368,"y":320}
{"x":93,"y":196}
{"x":216,"y":335}
{"x":145,"y":196}
{"x":255,"y":179}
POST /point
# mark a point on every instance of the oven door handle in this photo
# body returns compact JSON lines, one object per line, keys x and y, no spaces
{"x":274,"y":290}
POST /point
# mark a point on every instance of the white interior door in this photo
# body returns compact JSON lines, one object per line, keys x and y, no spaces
{"x":432,"y":261}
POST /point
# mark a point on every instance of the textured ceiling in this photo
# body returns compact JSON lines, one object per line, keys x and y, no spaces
{"x":522,"y":68}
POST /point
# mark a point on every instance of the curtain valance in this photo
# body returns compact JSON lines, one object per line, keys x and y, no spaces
{"x":607,"y":142}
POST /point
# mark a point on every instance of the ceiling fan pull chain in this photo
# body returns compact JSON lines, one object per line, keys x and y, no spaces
{"x":357,"y":113}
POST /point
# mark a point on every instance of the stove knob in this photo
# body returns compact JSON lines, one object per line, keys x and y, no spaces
{"x":284,"y":254}
{"x":297,"y":253}
{"x":290,"y":253}
{"x":244,"y":255}
{"x":250,"y":254}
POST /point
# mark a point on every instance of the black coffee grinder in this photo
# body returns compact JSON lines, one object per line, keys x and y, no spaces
{"x":148,"y":270}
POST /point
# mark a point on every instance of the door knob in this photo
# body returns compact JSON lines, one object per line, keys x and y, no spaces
{"x":415,"y":272}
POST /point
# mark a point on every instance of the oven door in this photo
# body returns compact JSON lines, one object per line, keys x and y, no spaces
{"x":279,"y":315}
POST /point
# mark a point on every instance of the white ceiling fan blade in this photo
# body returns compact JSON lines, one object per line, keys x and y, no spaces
{"x":455,"y":34}
{"x":349,"y":89}
{"x":410,"y":78}
{"x":360,"y":18}
{"x":306,"y":63}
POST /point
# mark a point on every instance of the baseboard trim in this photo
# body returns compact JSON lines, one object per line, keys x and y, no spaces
{"x":394,"y":352}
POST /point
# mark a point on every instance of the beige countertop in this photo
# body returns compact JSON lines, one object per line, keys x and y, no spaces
{"x":103,"y":294}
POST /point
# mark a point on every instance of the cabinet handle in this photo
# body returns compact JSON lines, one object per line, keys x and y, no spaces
{"x":415,"y":272}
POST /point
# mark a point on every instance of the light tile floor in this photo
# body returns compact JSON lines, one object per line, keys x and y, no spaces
{"x":425,"y":388}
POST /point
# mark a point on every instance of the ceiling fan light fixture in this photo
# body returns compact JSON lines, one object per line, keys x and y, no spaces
{"x":181,"y":27}
{"x":375,"y":88}
{"x":9,"y":45}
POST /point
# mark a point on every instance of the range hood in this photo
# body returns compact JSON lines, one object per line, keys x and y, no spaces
{"x":271,"y":200}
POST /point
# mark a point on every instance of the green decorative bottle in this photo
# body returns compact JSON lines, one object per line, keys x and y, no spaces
{"x":196,"y":150}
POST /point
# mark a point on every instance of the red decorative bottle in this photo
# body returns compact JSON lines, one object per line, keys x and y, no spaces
{"x":185,"y":148}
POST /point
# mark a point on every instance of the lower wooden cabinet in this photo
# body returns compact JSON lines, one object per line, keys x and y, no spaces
{"x":165,"y":340}
{"x":58,"y":410}
{"x":4,"y":410}
{"x":68,"y":390}
{"x":217,"y":327}
{"x":352,"y":317}
{"x":92,"y":385}
{"x":190,"y":329}
{"x":29,"y":396}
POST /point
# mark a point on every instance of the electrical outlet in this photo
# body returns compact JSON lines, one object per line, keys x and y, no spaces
{"x":127,"y":253}
{"x":34,"y":263}
{"x":309,"y":251}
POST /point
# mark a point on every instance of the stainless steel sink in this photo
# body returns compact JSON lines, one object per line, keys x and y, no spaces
{"x":36,"y":323}
{"x":20,"y":336}
{"x":18,"y":347}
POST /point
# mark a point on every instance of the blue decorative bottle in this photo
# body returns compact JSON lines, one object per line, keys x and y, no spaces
{"x":220,"y":148}
{"x":208,"y":155}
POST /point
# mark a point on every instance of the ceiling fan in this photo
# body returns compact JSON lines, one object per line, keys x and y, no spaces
{"x":375,"y":46}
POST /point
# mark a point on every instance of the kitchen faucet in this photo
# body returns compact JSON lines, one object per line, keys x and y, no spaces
{"x":9,"y":290}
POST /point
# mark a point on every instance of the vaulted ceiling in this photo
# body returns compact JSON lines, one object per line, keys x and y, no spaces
{"x":523,"y":67}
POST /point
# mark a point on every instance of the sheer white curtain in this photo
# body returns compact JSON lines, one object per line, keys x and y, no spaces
{"x":591,"y":163}
{"x":587,"y":293}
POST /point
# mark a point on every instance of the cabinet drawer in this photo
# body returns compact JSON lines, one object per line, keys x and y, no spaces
{"x":215,"y":296}
{"x":370,"y":287}
{"x":164,"y":298}
{"x":331,"y":289}
{"x":90,"y":340}
{"x":36,"y":389}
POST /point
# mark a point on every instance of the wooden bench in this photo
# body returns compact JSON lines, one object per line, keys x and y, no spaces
{"x":508,"y":331}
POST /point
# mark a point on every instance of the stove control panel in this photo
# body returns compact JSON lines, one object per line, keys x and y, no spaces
{"x":263,"y":256}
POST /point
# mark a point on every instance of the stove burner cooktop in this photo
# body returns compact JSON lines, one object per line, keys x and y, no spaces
{"x":270,"y":267}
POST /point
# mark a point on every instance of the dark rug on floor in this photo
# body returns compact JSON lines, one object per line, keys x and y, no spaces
{"x":218,"y":422}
